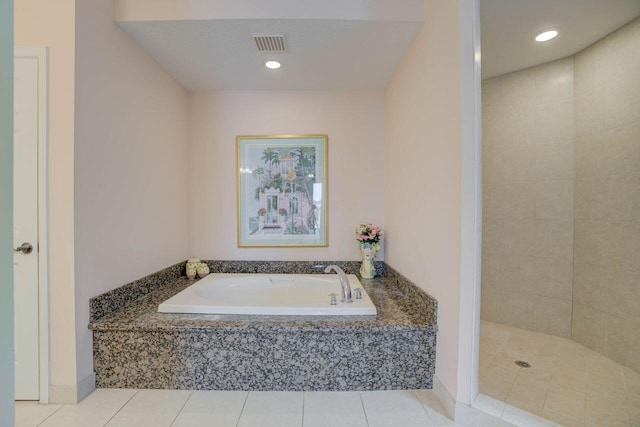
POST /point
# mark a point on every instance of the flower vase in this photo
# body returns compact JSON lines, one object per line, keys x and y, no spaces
{"x":368,"y":252}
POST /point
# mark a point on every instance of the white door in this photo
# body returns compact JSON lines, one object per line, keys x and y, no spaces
{"x":25,"y":232}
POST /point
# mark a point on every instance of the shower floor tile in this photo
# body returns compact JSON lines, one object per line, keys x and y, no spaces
{"x":566,"y":383}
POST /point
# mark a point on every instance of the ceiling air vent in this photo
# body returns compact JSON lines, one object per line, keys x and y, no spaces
{"x":269,"y":43}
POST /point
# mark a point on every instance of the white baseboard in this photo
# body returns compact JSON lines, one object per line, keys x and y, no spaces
{"x":69,"y":394}
{"x":465,"y":414}
{"x":473,"y":417}
{"x":446,"y":399}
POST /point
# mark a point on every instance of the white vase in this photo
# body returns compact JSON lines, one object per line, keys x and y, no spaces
{"x":368,"y":252}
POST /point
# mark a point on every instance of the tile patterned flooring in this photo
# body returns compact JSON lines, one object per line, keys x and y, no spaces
{"x":180,"y":408}
{"x":566,"y":383}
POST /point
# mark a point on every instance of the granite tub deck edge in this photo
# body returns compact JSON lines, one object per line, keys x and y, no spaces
{"x":136,"y":347}
{"x":119,"y":298}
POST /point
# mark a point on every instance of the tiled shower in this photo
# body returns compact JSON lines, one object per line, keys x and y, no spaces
{"x":561,"y":198}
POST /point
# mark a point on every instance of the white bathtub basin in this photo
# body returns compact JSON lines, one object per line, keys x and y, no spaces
{"x":274,"y":294}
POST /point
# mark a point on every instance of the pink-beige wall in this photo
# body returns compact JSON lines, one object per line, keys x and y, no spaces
{"x":130,"y":165}
{"x":52,"y":24}
{"x":354,"y":123}
{"x":422,"y":174}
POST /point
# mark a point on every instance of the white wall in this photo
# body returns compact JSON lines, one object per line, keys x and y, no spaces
{"x":130,"y":165}
{"x":354,"y":123}
{"x":6,"y":214}
{"x":423,"y":187}
{"x":52,"y":24}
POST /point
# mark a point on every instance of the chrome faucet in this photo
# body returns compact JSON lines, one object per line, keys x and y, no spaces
{"x":344,"y":281}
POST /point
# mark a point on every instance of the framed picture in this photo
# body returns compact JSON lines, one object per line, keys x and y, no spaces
{"x":282,"y":190}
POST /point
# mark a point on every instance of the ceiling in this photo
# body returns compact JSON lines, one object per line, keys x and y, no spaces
{"x":332,"y":47}
{"x":508,"y":26}
{"x":321,"y":54}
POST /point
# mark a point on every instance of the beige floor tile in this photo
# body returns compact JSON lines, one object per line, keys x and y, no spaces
{"x":333,"y":409}
{"x":543,"y":365}
{"x":504,"y":366}
{"x":632,"y":382}
{"x":562,"y":419}
{"x":545,"y":344}
{"x":571,"y":348}
{"x":571,"y":379}
{"x":219,"y":408}
{"x":570,"y":357}
{"x":28,"y":414}
{"x":607,"y":408}
{"x":596,"y":418}
{"x":394,"y":408}
{"x":485,"y":361}
{"x":600,"y":365}
{"x":516,"y":348}
{"x":491,"y":344}
{"x":526,"y":397}
{"x":565,"y":402}
{"x":596,"y":392}
{"x":634,"y":410}
{"x":519,"y":417}
{"x":531,"y":378}
{"x":95,"y":410}
{"x":497,"y":388}
{"x":608,"y":384}
{"x":156,"y":408}
{"x":272,"y":409}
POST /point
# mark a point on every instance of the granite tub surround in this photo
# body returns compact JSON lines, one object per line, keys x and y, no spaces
{"x":121,"y":297}
{"x":137,"y":347}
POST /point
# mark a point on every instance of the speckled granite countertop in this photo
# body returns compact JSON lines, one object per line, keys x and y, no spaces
{"x":134,"y":346}
{"x":400,"y":305}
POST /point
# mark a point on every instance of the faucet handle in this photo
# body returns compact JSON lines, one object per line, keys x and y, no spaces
{"x":358,"y":292}
{"x":333,"y":298}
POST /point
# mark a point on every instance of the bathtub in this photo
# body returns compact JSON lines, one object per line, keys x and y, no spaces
{"x":269,"y":294}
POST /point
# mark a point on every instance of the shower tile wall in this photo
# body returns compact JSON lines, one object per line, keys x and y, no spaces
{"x":606,"y":314}
{"x":527,"y":253}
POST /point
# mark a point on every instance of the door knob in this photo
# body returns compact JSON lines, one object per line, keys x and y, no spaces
{"x":25,"y":248}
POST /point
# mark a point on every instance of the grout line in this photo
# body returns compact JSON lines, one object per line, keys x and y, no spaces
{"x":120,"y":408}
{"x":181,"y":408}
{"x":426,"y":409}
{"x":546,"y":396}
{"x":242,"y":409}
{"x":48,"y":416}
{"x":584,"y":413}
{"x":366,"y":417}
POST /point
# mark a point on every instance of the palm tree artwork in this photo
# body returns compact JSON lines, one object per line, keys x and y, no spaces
{"x":282,"y":190}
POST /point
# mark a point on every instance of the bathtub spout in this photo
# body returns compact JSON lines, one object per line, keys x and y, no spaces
{"x":344,"y":281}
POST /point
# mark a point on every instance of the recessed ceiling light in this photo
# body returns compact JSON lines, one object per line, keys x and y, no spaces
{"x":273,"y":65}
{"x":546,"y":36}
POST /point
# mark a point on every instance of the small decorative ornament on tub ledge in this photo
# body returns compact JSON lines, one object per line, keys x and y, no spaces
{"x":369,"y":237}
{"x":203,"y":270}
{"x":192,"y":267}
